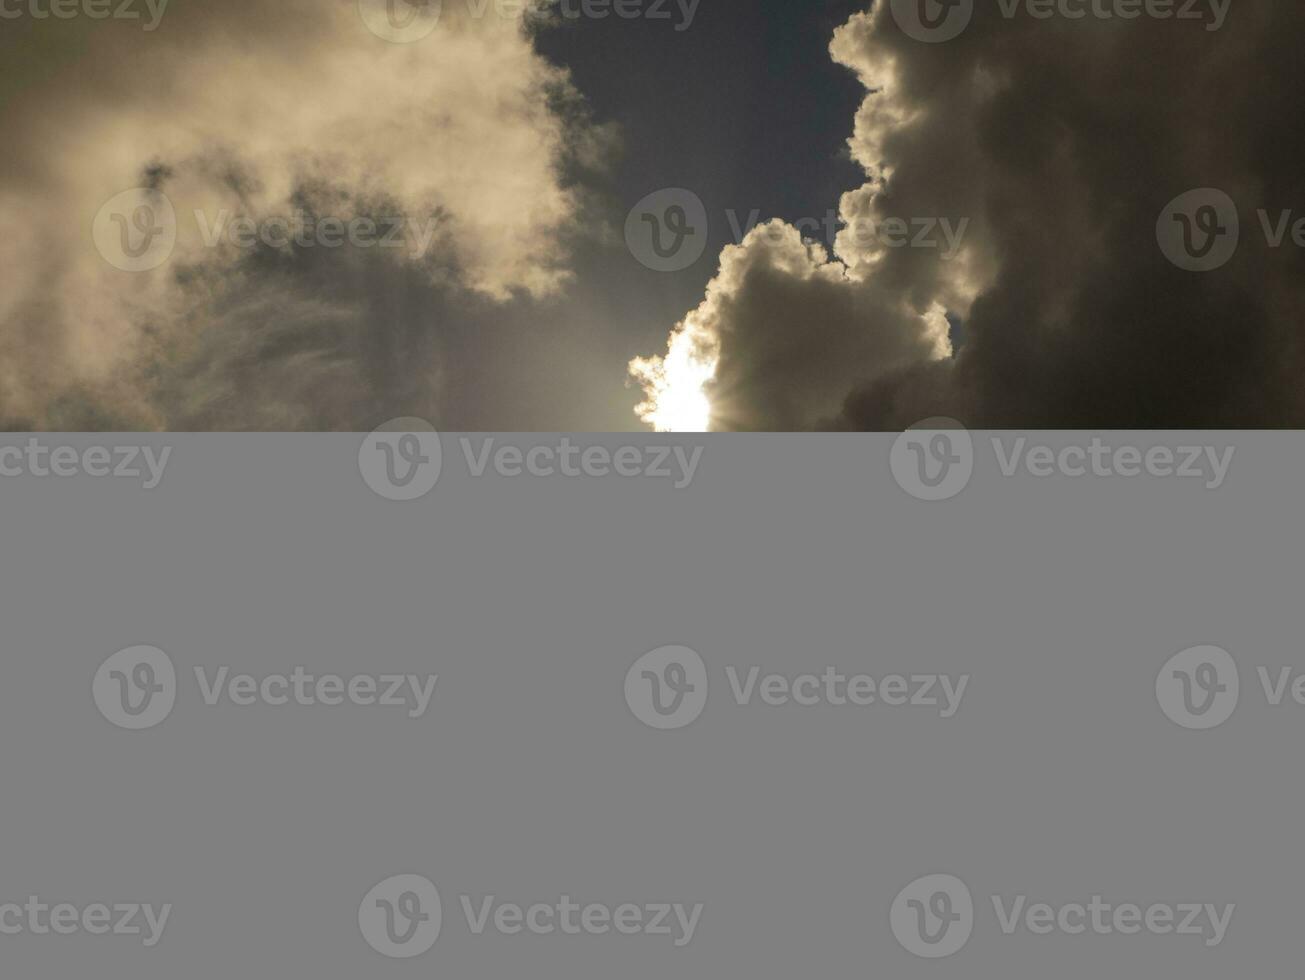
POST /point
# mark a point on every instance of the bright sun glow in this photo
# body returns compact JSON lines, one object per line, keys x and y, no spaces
{"x":674,"y":400}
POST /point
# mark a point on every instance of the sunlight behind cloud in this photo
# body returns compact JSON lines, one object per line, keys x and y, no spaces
{"x":674,"y":385}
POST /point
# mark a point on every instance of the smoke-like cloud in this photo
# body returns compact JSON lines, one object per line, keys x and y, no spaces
{"x":292,"y":111}
{"x":1060,"y":141}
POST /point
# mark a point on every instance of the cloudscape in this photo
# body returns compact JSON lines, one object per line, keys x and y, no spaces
{"x":679,"y":215}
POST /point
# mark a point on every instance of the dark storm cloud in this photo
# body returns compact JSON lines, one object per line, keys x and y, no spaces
{"x":1062,"y":141}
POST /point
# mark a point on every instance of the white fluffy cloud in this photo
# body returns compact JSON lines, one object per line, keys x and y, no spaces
{"x":786,"y":330}
{"x":781,"y":318}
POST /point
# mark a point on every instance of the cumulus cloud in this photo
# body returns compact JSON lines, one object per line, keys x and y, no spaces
{"x":787,"y":330}
{"x":291,"y":112}
{"x":1060,"y":141}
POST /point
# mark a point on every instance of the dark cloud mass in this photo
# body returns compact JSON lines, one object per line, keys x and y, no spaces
{"x":1051,"y":146}
{"x":1062,"y":141}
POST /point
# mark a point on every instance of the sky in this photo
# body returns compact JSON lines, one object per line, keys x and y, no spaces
{"x":316,"y":216}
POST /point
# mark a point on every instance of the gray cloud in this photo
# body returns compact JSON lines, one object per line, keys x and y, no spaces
{"x":272,"y":111}
{"x":1061,"y":141}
